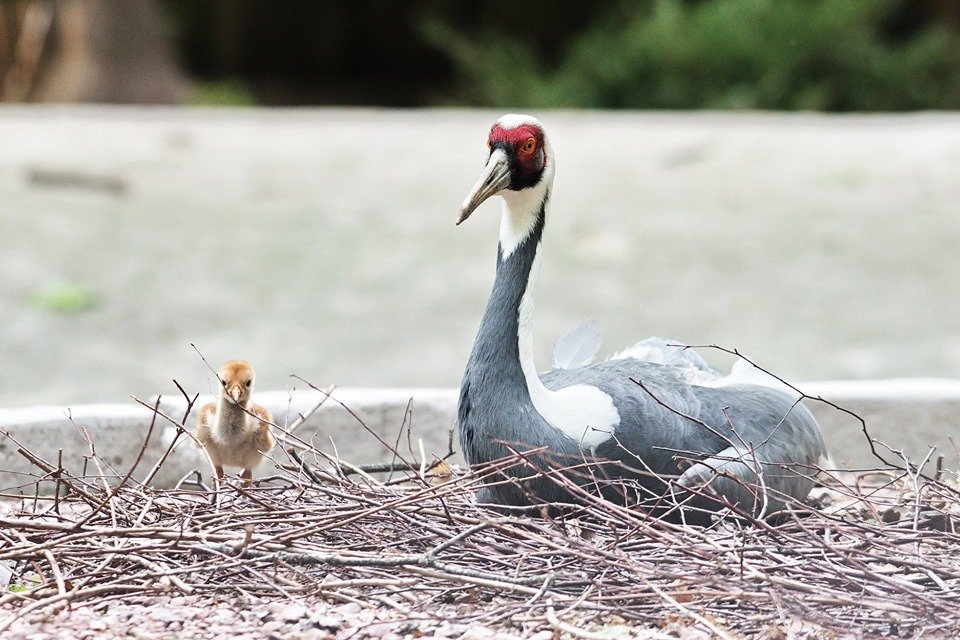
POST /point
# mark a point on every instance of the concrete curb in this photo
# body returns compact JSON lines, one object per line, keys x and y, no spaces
{"x":910,"y":415}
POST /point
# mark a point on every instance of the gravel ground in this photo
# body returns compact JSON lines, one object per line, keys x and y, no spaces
{"x":195,"y":617}
{"x":183,"y":618}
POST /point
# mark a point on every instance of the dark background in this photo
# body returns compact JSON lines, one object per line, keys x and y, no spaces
{"x":829,"y":55}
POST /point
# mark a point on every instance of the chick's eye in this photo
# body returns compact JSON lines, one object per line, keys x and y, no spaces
{"x":248,"y":382}
{"x":528,"y":147}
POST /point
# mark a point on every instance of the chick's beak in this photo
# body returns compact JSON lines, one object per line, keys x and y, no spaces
{"x":494,"y":179}
{"x":235,"y":392}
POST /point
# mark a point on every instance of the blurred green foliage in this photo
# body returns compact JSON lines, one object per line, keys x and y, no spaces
{"x":218,"y":93}
{"x":64,"y":298}
{"x":833,"y":55}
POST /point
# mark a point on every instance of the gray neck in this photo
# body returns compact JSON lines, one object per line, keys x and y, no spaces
{"x":494,"y":379}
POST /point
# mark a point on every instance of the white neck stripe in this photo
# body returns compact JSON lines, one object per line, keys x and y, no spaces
{"x":581,"y":412}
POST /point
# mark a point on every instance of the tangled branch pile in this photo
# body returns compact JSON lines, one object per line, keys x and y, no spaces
{"x":878,"y":554}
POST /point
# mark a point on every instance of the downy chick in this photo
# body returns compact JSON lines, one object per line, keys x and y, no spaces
{"x":235,"y":431}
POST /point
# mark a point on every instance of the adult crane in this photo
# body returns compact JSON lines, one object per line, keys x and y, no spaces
{"x":653,"y":425}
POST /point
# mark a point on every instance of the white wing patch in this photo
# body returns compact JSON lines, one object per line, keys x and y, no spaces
{"x":582,"y":412}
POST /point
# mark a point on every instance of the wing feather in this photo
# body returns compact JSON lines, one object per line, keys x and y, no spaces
{"x":578,"y":346}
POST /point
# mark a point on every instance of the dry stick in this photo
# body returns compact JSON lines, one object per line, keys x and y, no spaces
{"x":816,"y":565}
{"x":413,"y":563}
{"x":133,"y":467}
{"x":351,"y":469}
{"x":164,"y":571}
{"x":181,"y":429}
{"x":463,"y":535}
{"x":913,"y":589}
{"x":717,"y":631}
{"x":918,"y":490}
{"x":359,"y":421}
{"x":49,"y":469}
{"x":529,"y":602}
{"x":395,"y":503}
{"x":56,"y":490}
{"x":367,"y":512}
{"x":408,"y":423}
{"x":863,"y":424}
{"x":315,"y":477}
{"x":62,"y":599}
{"x":95,"y":457}
{"x":57,"y":575}
{"x":288,"y":432}
{"x":564,"y":627}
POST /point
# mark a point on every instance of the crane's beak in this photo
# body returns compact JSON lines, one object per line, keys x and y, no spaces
{"x":235,"y":392}
{"x":494,"y":179}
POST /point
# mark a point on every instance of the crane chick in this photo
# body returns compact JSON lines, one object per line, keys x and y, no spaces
{"x":235,"y":431}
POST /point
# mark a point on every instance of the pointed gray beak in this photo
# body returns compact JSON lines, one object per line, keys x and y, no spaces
{"x":494,"y":179}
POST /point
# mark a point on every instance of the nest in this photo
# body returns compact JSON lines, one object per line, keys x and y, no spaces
{"x":871,"y":553}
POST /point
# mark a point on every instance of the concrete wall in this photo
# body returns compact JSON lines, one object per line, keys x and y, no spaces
{"x":909,"y":415}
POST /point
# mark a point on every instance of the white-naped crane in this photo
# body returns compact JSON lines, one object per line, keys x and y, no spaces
{"x":654,"y":425}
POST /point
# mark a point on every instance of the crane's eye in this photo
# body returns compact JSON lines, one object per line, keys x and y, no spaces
{"x":528,"y":146}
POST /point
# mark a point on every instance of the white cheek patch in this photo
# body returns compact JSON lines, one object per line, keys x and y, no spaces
{"x":522,"y":208}
{"x":516,"y":224}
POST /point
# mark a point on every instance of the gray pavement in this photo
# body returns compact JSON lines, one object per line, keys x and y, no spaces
{"x":322,"y":243}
